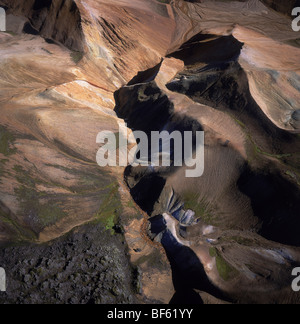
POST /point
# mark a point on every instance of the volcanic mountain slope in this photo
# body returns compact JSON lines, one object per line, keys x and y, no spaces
{"x":55,"y":98}
{"x":70,"y":69}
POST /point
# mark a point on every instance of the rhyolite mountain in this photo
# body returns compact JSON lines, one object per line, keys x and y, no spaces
{"x":73,"y":232}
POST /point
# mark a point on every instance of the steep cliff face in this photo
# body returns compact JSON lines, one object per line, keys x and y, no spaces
{"x":57,"y":20}
{"x":70,"y":69}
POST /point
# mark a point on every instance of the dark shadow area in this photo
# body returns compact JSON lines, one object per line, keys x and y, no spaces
{"x":201,"y":49}
{"x":50,"y":41}
{"x":276,"y":202}
{"x":187,"y":270}
{"x":41,"y":4}
{"x":28,"y":29}
{"x":186,"y":297}
{"x":146,"y":76}
{"x":147,"y":189}
{"x":158,"y":225}
{"x":143,"y":107}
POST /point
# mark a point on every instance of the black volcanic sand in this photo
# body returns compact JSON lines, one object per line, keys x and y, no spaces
{"x":87,"y":266}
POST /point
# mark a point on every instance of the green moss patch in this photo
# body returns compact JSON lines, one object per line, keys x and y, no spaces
{"x":131,"y":205}
{"x":110,"y":208}
{"x":2,"y":168}
{"x":202,"y":209}
{"x":6,"y":142}
{"x":76,"y":56}
{"x":225,"y":270}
